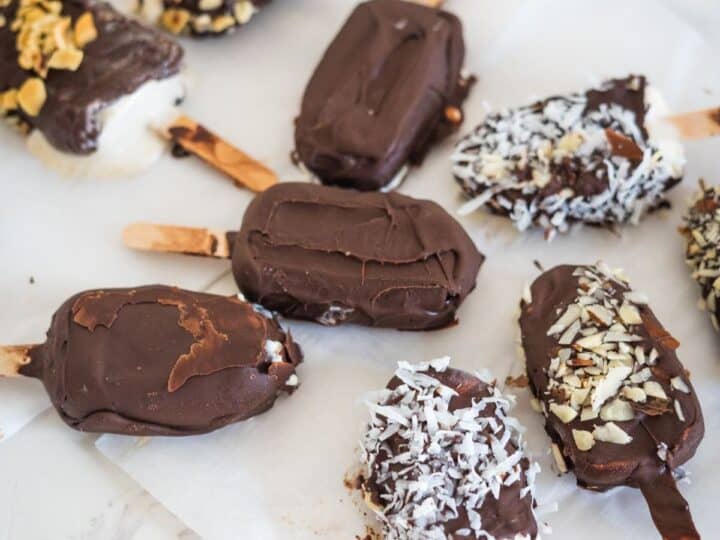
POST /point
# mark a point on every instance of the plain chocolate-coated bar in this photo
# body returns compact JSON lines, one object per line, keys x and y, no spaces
{"x":333,"y":255}
{"x":618,"y":404}
{"x":159,"y":360}
{"x":379,"y":97}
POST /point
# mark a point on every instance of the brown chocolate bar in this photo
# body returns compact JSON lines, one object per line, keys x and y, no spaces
{"x":332,"y":255}
{"x":159,"y":360}
{"x":387,"y":89}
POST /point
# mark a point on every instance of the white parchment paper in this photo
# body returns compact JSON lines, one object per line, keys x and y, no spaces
{"x":280,"y":475}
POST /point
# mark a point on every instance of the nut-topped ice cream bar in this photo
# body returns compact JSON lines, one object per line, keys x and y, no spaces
{"x":618,"y":404}
{"x":588,"y":157}
{"x":199,"y":17}
{"x":387,"y":89}
{"x":443,"y":458}
{"x":158,"y":360}
{"x":702,"y":231}
{"x":86,"y":84}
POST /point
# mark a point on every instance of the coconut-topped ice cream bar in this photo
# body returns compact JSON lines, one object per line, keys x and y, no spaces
{"x":86,"y":84}
{"x":199,"y":17}
{"x":618,"y":403}
{"x":443,"y":459}
{"x":588,"y":157}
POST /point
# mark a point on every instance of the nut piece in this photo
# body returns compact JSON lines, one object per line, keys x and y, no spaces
{"x":85,"y":30}
{"x":565,"y":413}
{"x":8,"y":100}
{"x":678,"y":384}
{"x":617,"y":411}
{"x":209,"y":5}
{"x":584,"y":440}
{"x":559,"y":459}
{"x":175,"y":20}
{"x":630,"y":314}
{"x":69,"y":59}
{"x":243,"y":11}
{"x":222,"y":23}
{"x":611,"y":433}
{"x":653,"y":389}
{"x":633,"y":393}
{"x":31,"y":96}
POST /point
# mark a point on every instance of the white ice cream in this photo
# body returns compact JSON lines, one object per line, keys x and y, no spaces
{"x":129,"y":142}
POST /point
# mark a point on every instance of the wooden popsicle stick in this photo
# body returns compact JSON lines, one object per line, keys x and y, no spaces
{"x":172,"y":239}
{"x":13,"y":358}
{"x":245,"y":171}
{"x":696,"y":124}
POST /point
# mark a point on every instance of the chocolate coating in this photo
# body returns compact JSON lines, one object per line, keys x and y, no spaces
{"x":124,"y":56}
{"x":333,"y":256}
{"x":606,"y":465}
{"x":157,"y":360}
{"x":504,"y":517}
{"x":377,"y":99}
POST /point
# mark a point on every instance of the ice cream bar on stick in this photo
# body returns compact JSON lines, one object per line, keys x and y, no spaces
{"x":597,"y":157}
{"x":89,"y":87}
{"x":199,"y":17}
{"x":702,"y":233}
{"x":387,"y":89}
{"x":158,"y":360}
{"x":618,"y":404}
{"x":311,"y":252}
{"x":443,"y":458}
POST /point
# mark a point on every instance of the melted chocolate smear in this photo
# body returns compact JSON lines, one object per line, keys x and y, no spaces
{"x":669,"y":510}
{"x":377,"y":99}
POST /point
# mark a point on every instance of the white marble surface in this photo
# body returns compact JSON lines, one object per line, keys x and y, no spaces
{"x":55,"y":485}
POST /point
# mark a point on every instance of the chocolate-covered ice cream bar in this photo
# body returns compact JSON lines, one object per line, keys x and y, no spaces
{"x":586,"y":157}
{"x":702,"y":231}
{"x":86,"y":83}
{"x":333,"y":256}
{"x":337,"y":256}
{"x":387,"y":89}
{"x":159,"y":360}
{"x":442,"y":458}
{"x":618,"y":404}
{"x":199,"y":17}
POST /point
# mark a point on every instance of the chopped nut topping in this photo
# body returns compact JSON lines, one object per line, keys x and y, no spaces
{"x":85,"y":30}
{"x":31,"y":96}
{"x":244,"y":10}
{"x":209,"y":5}
{"x":603,"y":367}
{"x":584,"y":440}
{"x":222,"y":23}
{"x":175,"y":20}
{"x":68,"y":59}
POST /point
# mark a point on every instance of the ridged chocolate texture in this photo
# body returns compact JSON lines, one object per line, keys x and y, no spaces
{"x":377,"y":99}
{"x":507,"y":516}
{"x":333,"y":255}
{"x":643,"y":462}
{"x":124,"y":56}
{"x":157,"y":360}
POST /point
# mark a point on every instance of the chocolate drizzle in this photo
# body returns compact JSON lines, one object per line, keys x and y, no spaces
{"x":651,"y":443}
{"x":378,"y":97}
{"x":162,"y":361}
{"x":334,"y":256}
{"x":124,"y":56}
